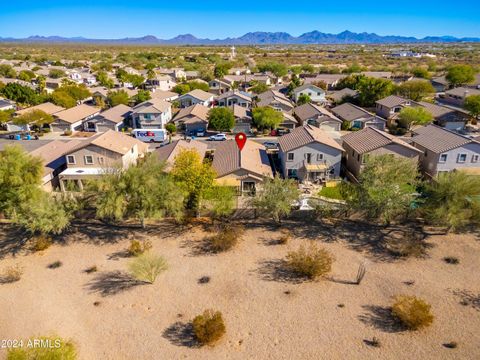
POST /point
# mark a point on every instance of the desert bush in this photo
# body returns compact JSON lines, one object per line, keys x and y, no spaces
{"x":226,"y":238}
{"x":411,"y":245}
{"x":312,"y":262}
{"x":147,"y":267}
{"x":451,"y":260}
{"x":209,"y":327}
{"x":41,"y":242}
{"x":412,"y":312}
{"x":59,"y":349}
{"x":285,"y":236}
{"x":137,"y":248}
{"x":12,"y":274}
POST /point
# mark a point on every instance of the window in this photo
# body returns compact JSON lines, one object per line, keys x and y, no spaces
{"x":475,"y":158}
{"x":353,"y":152}
{"x":319,"y":157}
{"x":101,"y":160}
{"x":308,"y":158}
{"x":88,"y":159}
{"x":462,"y":158}
{"x":71,"y":159}
{"x":443,"y":158}
{"x":290,"y":156}
{"x":292,"y":173}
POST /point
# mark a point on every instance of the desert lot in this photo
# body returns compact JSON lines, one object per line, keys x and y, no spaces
{"x":268,"y":313}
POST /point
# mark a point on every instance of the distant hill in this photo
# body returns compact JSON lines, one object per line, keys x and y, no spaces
{"x":254,"y":38}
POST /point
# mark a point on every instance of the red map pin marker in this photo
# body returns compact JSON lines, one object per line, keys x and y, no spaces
{"x":241,"y":139}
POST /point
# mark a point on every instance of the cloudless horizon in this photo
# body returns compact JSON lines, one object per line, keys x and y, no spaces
{"x":215,"y":19}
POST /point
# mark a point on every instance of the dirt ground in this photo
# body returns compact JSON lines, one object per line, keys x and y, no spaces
{"x":268,"y":313}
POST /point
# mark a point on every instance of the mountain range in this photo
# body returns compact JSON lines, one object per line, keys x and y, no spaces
{"x":253,"y":38}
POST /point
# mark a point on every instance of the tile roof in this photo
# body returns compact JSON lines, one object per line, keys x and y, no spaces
{"x":199,"y":94}
{"x":350,"y":112}
{"x":253,"y":158}
{"x":392,"y":100}
{"x":370,"y":138}
{"x":152,"y":106}
{"x":117,"y":113}
{"x":309,"y":110}
{"x":304,"y":135}
{"x":168,"y":152}
{"x":308,"y":86}
{"x":114,"y":141}
{"x":436,"y":110}
{"x":197,"y":110}
{"x":77,"y":113}
{"x":438,"y":139}
{"x":341,"y":94}
{"x":47,"y":107}
{"x":462,"y":91}
{"x":241,"y":94}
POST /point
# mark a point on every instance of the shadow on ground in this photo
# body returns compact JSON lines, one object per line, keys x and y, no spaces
{"x":277,"y":270}
{"x":468,"y":298}
{"x":181,"y":334}
{"x":13,"y":240}
{"x":112,"y":282}
{"x":381,"y":318}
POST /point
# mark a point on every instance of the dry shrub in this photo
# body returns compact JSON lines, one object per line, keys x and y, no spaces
{"x":209,"y":327}
{"x":147,"y":267}
{"x":41,"y":242}
{"x":411,"y":245}
{"x":285,"y":236}
{"x":137,"y":248}
{"x":412,"y":312}
{"x":227,"y":237}
{"x":312,"y":263}
{"x":12,"y":274}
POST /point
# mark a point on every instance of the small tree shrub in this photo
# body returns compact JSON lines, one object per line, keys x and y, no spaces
{"x":409,"y":246}
{"x":147,"y":267}
{"x":226,"y":238}
{"x":137,"y":248}
{"x":413,"y":312}
{"x":42,"y":242}
{"x":209,"y":327}
{"x":312,"y":262}
{"x":12,"y":274}
{"x":65,"y":350}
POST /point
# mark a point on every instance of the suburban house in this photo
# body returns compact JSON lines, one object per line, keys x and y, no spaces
{"x":196,"y":96}
{"x":457,"y":96}
{"x":72,"y":119}
{"x":6,"y":105}
{"x":341,"y":95}
{"x":316,"y":94}
{"x":446,"y":117}
{"x":360,"y":145}
{"x":114,"y":118}
{"x":318,"y":116}
{"x":219,"y":87}
{"x":245,"y":170}
{"x":243,"y":119}
{"x":440,"y":84}
{"x":234,"y":97}
{"x":162,"y":82}
{"x":47,"y":107}
{"x":275,"y":100}
{"x":192,"y":119}
{"x":168,"y":152}
{"x":310,"y":154}
{"x":444,"y":150}
{"x":331,"y":80}
{"x":390,"y":106}
{"x":289,"y":121}
{"x":151,"y":114}
{"x":100,"y":153}
{"x":163,"y":95}
{"x":356,"y":117}
{"x":102,"y":92}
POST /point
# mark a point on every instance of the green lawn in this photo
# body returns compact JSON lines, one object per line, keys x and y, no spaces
{"x":331,"y":192}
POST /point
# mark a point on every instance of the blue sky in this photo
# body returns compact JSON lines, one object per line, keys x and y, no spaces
{"x":220,"y":19}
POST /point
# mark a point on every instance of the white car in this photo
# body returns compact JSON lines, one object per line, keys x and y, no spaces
{"x":218,"y":137}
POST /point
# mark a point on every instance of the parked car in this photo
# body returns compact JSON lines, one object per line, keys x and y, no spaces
{"x":218,"y":137}
{"x":270,"y":145}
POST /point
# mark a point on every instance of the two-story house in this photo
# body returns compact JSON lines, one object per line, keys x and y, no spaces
{"x":391,"y":106}
{"x":317,"y":116}
{"x":99,"y":154}
{"x":360,"y":145}
{"x":310,"y":154}
{"x":114,"y":118}
{"x":457,"y":96}
{"x":443,"y":150}
{"x":196,"y":96}
{"x":192,"y":119}
{"x":316,"y":94}
{"x":355,"y":117}
{"x":151,"y":114}
{"x":234,"y":97}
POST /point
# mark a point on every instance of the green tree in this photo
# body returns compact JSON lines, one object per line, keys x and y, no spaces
{"x":372,"y":89}
{"x":143,"y":191}
{"x":142,"y":95}
{"x":115,"y":98}
{"x":21,"y":94}
{"x":181,"y":89}
{"x":460,"y":75}
{"x":220,"y":201}
{"x":414,"y":116}
{"x":350,"y":82}
{"x":277,"y":69}
{"x":198,"y":85}
{"x":421,"y":73}
{"x":221,"y":119}
{"x":20,"y":178}
{"x":56,"y":74}
{"x":171,"y":128}
{"x":193,"y":176}
{"x":472,"y":104}
{"x":34,"y":117}
{"x":135,"y":80}
{"x":6,"y":116}
{"x":26,"y":75}
{"x":303,"y":99}
{"x":41,"y":82}
{"x":104,"y":80}
{"x":259,"y":87}
{"x":416,"y":90}
{"x":386,"y":187}
{"x":221,"y":70}
{"x":7,"y":71}
{"x":454,"y":200}
{"x":308,"y":68}
{"x":266,"y":118}
{"x":276,"y":198}
{"x":63,"y":99}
